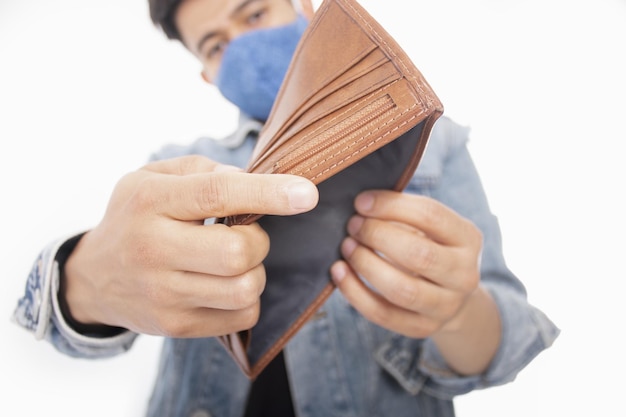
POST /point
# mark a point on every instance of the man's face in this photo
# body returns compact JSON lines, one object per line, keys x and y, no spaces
{"x":207,"y":26}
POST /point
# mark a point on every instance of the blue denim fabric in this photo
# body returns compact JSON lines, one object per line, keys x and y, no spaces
{"x":339,"y":364}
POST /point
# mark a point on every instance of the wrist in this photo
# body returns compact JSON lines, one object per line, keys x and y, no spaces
{"x":470,"y":340}
{"x":69,"y":295}
{"x":463,"y":316}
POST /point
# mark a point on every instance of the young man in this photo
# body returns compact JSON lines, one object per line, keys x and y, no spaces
{"x":440,"y":314}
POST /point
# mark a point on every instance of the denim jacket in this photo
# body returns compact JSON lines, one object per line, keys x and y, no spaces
{"x":338,"y":364}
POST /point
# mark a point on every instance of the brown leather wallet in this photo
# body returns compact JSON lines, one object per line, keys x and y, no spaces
{"x":353,"y":113}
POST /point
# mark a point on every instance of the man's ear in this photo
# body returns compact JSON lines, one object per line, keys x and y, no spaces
{"x":205,"y":77}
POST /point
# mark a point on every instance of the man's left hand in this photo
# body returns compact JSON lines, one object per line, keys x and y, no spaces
{"x":411,"y":263}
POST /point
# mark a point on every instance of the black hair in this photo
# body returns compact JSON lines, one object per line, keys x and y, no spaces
{"x":162,"y":13}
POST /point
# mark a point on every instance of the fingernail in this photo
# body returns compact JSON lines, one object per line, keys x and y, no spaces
{"x":302,"y":195}
{"x":354,"y":225}
{"x":338,"y":272}
{"x":364,"y":202}
{"x":348,"y":246}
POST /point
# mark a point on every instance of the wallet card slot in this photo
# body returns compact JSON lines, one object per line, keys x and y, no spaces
{"x":331,"y":140}
{"x":296,"y":97}
{"x":368,"y":74}
{"x":349,"y":95}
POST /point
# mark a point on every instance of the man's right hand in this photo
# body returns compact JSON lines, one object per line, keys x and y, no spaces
{"x":152,"y":267}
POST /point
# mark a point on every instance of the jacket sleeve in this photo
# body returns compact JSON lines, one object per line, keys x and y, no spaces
{"x":447,"y":174}
{"x":38,"y":311}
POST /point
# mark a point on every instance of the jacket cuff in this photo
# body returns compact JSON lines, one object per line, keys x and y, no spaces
{"x":34,"y":309}
{"x":419,"y":366}
{"x":39,"y":311}
{"x":526,"y":332}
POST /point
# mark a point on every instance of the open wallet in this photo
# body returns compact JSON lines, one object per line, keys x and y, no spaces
{"x":353,"y":113}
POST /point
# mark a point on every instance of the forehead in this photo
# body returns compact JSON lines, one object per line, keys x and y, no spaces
{"x":195,"y":18}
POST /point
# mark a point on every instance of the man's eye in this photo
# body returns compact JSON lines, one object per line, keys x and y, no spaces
{"x":255,"y":18}
{"x":216,"y":49}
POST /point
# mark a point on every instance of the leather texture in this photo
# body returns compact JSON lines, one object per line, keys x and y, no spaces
{"x":353,"y":113}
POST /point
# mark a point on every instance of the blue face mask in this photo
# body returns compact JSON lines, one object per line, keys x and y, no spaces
{"x":254,"y":65}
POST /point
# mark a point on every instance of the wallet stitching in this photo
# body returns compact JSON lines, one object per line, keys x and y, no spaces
{"x":329,"y":123}
{"x":378,"y":139}
{"x":346,"y":111}
{"x":390,"y":50}
{"x":380,"y":39}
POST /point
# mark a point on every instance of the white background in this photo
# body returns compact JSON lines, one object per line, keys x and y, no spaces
{"x":88,"y":89}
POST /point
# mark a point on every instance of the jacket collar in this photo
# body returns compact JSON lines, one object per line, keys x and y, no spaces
{"x":245,"y":127}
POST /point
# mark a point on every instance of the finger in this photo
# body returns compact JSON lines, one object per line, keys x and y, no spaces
{"x":404,"y":246}
{"x":439,"y":222}
{"x":186,"y":165}
{"x":401,"y":289}
{"x":210,"y":322}
{"x":200,"y":196}
{"x":214,"y":249}
{"x":202,"y":322}
{"x":190,"y":289}
{"x":376,"y":308}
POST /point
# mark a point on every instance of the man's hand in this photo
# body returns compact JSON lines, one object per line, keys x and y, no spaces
{"x":151,"y":266}
{"x":412,"y":266}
